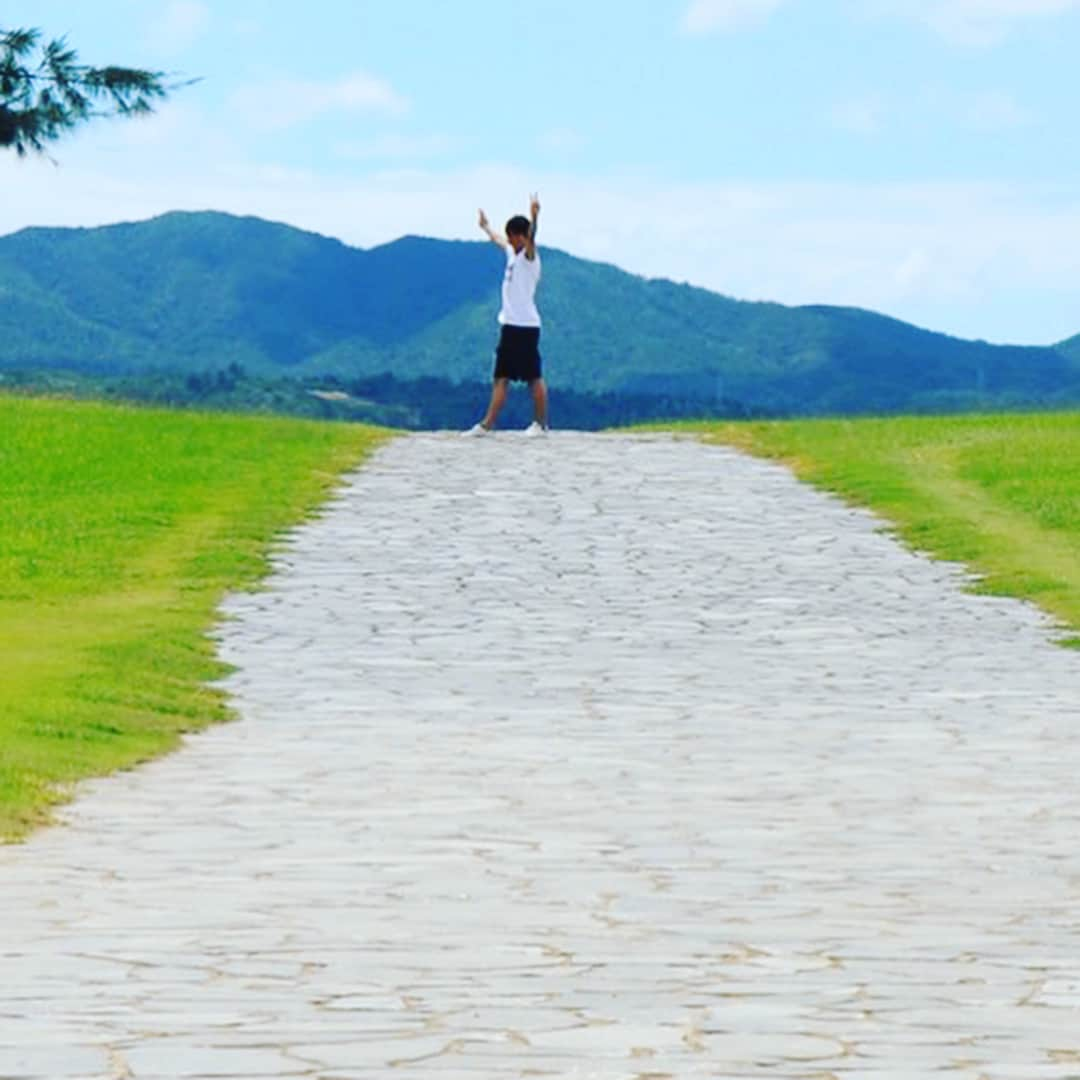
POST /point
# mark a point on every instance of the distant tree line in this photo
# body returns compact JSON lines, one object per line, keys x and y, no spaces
{"x":433,"y":404}
{"x":425,"y":404}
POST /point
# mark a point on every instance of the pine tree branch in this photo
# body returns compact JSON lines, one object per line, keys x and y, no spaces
{"x":41,"y":102}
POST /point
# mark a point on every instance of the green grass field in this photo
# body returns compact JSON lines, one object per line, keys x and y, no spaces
{"x":122,"y":528}
{"x":120,"y":531}
{"x":1000,"y":493}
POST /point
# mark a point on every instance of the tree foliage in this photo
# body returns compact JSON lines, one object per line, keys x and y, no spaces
{"x":45,"y":92}
{"x":413,"y":404}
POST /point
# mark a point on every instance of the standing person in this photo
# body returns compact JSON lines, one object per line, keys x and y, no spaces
{"x":517,"y":358}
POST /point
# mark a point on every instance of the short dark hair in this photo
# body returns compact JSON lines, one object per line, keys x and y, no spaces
{"x":518,"y":225}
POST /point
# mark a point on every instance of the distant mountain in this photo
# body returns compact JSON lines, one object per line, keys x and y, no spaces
{"x":190,"y":292}
{"x":1070,"y":348}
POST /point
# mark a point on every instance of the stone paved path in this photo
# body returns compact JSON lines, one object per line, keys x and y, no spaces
{"x":595,"y":757}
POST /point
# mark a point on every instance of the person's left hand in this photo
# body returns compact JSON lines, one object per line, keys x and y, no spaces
{"x":534,"y":205}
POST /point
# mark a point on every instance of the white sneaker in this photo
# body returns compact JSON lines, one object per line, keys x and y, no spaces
{"x":535,"y":429}
{"x":477,"y":431}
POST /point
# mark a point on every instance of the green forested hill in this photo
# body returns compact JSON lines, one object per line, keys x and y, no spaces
{"x":1071,"y":348}
{"x":191,"y":292}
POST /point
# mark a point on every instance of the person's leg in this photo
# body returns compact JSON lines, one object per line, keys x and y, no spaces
{"x":540,"y":401}
{"x":498,"y":400}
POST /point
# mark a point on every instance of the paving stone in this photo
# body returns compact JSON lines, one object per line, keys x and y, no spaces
{"x":62,"y":1062}
{"x":596,"y":756}
{"x":171,"y":1059}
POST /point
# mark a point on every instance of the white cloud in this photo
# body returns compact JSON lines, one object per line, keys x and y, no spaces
{"x":988,"y":112}
{"x":282,"y":103}
{"x":181,"y":24}
{"x":157,"y":132}
{"x":973,"y":22}
{"x":704,"y":16}
{"x":913,"y":269}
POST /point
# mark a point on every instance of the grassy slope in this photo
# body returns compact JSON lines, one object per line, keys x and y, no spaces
{"x":120,"y":531}
{"x":1000,"y":493}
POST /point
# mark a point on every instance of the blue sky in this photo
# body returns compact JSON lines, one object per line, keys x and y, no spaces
{"x":917,"y":157}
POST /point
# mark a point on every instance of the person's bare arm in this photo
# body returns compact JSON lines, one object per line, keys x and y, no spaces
{"x":534,"y":215}
{"x":492,"y":235}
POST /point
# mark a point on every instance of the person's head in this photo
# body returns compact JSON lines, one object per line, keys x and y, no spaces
{"x":517,"y":231}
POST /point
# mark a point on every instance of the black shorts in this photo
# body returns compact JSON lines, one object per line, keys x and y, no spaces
{"x":518,"y":356}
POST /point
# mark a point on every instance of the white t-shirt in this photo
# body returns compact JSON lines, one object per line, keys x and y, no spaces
{"x":519,"y":290}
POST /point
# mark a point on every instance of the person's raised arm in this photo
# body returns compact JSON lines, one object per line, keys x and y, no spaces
{"x":534,"y":215}
{"x":492,"y":235}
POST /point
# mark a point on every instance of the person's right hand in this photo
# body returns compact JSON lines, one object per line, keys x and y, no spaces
{"x":483,"y":221}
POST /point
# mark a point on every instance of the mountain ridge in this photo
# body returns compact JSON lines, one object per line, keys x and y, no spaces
{"x":192,"y":290}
